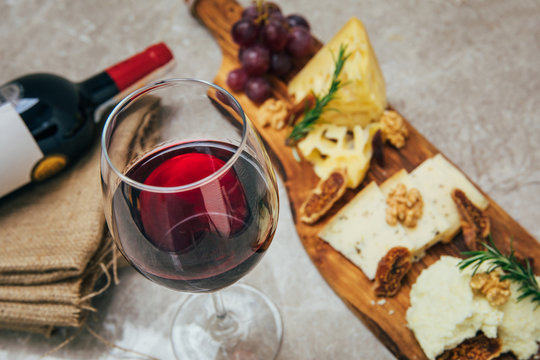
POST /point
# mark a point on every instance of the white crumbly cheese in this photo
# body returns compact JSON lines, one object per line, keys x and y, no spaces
{"x":520,"y":328}
{"x":444,"y":311}
{"x":360,"y":232}
{"x":430,"y":226}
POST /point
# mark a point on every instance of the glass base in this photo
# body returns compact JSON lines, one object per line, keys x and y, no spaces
{"x":250,"y":329}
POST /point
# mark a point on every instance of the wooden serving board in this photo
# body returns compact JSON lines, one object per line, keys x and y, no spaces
{"x":386,"y":321}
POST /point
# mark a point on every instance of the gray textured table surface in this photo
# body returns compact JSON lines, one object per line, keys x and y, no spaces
{"x":465,"y":73}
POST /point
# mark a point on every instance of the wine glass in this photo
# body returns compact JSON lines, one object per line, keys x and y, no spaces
{"x":190,"y":197}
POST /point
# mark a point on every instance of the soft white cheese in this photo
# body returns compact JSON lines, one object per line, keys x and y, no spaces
{"x":444,"y":311}
{"x":520,"y":328}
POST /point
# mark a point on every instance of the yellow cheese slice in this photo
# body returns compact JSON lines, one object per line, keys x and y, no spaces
{"x":362,"y":98}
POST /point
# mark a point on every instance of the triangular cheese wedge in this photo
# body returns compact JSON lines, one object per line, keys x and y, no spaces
{"x":362,"y":98}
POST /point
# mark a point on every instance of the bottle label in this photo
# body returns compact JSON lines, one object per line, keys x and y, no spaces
{"x":19,"y":151}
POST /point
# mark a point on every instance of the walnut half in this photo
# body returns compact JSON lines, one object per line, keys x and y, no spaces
{"x":497,"y":292}
{"x":393,"y":128}
{"x":273,"y":112}
{"x":391,"y":270}
{"x":405,"y":206}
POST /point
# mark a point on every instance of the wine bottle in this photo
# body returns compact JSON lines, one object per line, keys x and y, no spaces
{"x":47,"y":121}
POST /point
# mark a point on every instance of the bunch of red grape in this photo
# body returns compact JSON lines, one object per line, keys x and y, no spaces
{"x":268,"y":42}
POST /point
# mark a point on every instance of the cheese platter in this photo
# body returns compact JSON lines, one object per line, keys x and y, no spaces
{"x":416,"y":163}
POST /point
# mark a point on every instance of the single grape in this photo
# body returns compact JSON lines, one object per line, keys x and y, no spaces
{"x":299,"y":42}
{"x":250,"y":13}
{"x":245,"y":32}
{"x":236,"y":79}
{"x":274,"y":36}
{"x":297,"y":20}
{"x":258,"y":89}
{"x":256,"y":59}
{"x":280,"y":63}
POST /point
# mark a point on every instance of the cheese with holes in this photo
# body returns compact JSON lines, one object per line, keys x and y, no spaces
{"x":444,"y":310}
{"x":362,"y":97}
{"x":359,"y":230}
{"x":332,"y":147}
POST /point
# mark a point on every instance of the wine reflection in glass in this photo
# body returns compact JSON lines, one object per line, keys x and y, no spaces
{"x":190,"y":197}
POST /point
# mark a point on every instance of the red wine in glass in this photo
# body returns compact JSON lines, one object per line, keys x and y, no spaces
{"x":201,"y":238}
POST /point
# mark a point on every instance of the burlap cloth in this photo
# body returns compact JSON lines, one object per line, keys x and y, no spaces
{"x":49,"y":233}
{"x":54,"y":244}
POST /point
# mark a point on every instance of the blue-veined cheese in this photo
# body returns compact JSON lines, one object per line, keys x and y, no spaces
{"x":360,"y":232}
{"x":358,"y":227}
{"x":431,"y":226}
{"x":437,"y":177}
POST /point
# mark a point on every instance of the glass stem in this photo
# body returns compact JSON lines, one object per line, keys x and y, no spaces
{"x":223,"y":326}
{"x":221,"y":312}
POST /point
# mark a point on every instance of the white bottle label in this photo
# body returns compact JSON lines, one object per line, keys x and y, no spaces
{"x":19,"y":151}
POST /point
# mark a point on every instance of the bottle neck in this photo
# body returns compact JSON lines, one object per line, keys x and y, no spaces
{"x":101,"y":87}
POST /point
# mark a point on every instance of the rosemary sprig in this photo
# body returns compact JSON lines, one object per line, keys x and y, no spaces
{"x":509,"y":264}
{"x":311,"y":115}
